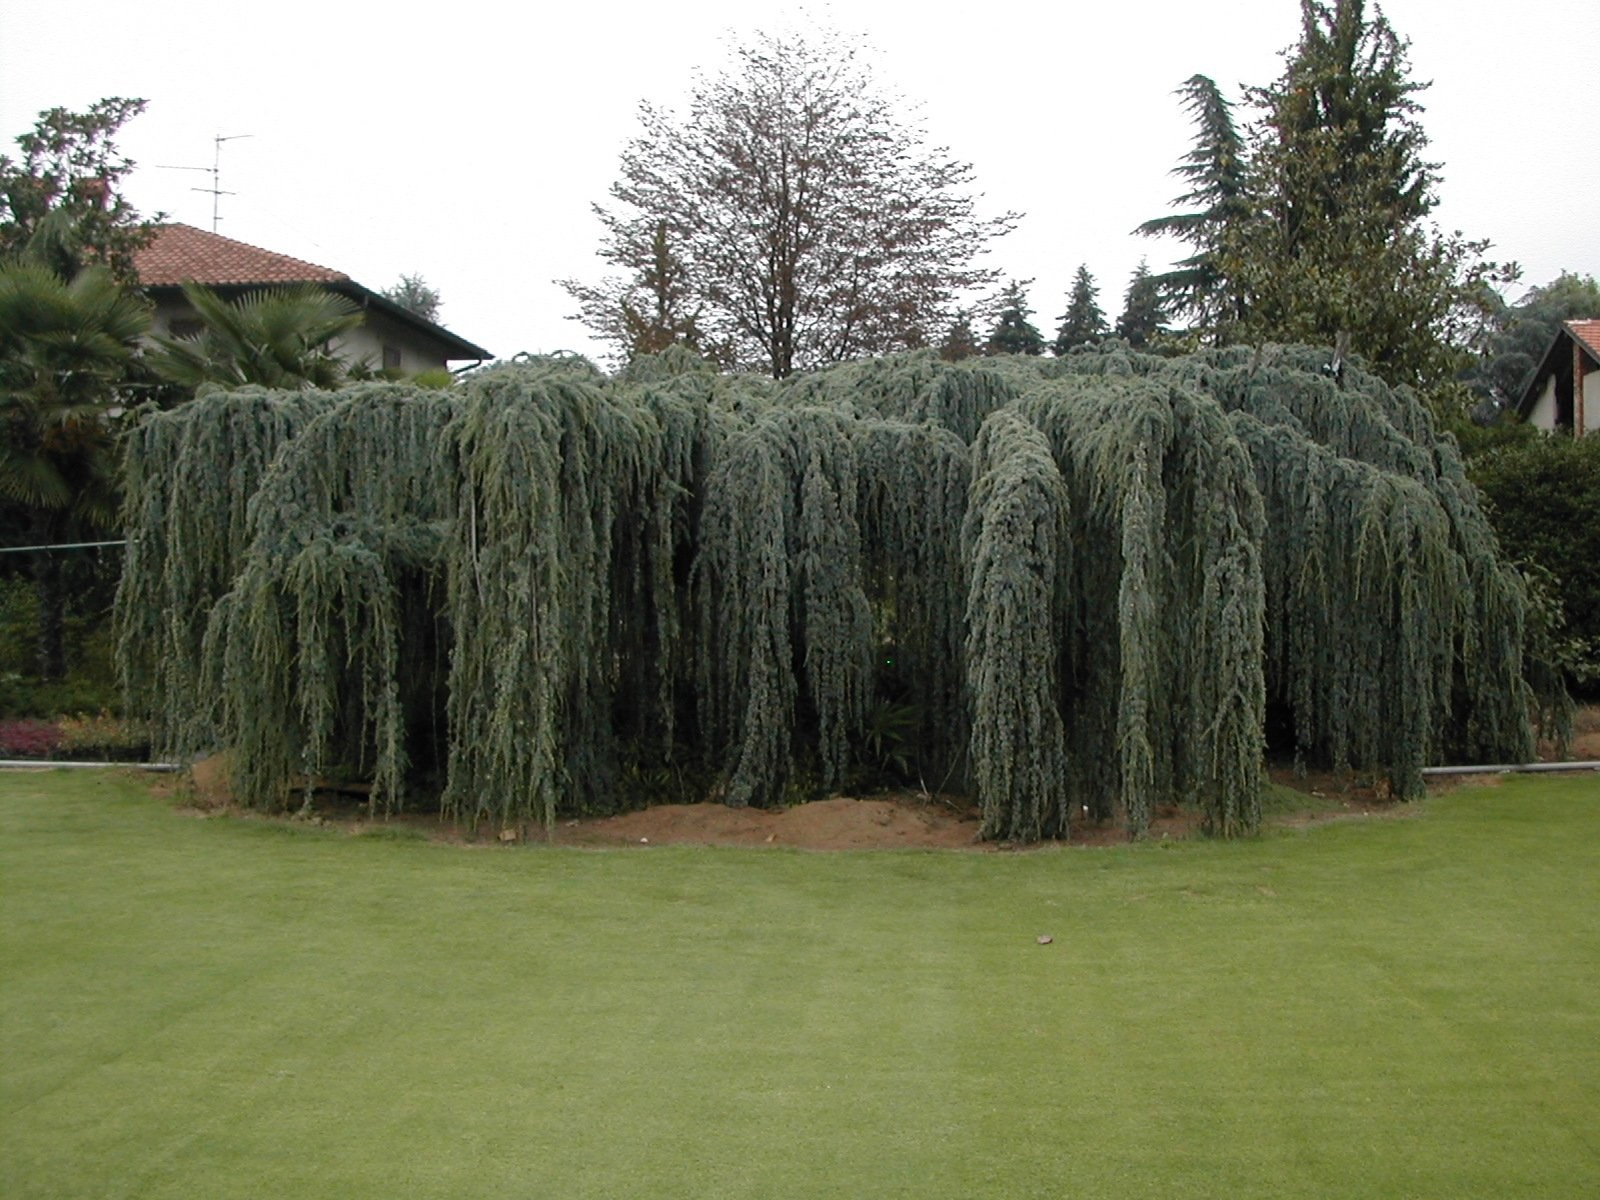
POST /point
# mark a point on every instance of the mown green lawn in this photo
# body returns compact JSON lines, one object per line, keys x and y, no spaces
{"x":216,"y":1008}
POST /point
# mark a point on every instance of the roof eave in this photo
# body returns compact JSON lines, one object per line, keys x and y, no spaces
{"x":459,"y":349}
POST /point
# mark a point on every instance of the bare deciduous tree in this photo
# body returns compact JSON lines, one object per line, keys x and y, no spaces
{"x":808,"y":220}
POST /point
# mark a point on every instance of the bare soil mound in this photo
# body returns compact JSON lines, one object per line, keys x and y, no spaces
{"x":838,"y":823}
{"x":906,"y":820}
{"x":900,"y":821}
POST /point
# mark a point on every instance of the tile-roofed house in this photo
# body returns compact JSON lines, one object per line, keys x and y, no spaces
{"x":1564,"y":390}
{"x":389,"y":337}
{"x":183,"y":254}
{"x":1588,"y":332}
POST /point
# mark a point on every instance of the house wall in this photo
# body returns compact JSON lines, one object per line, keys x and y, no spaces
{"x":1544,"y":411}
{"x":1591,"y":402}
{"x":366,"y":341}
{"x":378,"y":331}
{"x":1543,"y":414}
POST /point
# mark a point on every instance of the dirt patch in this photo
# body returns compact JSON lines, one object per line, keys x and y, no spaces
{"x":897,"y":821}
{"x":905,"y":820}
{"x":837,"y":823}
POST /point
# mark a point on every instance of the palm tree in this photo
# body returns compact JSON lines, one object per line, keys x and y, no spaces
{"x":276,"y":337}
{"x":67,"y":350}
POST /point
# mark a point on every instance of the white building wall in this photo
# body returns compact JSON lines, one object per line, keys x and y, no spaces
{"x":367,"y":341}
{"x":1591,"y":402}
{"x":1543,"y":415}
{"x":377,"y":331}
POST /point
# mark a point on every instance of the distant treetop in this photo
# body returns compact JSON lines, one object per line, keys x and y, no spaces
{"x":414,"y":295}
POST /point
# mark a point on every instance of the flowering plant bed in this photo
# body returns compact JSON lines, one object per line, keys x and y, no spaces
{"x":82,"y":738}
{"x":28,"y":737}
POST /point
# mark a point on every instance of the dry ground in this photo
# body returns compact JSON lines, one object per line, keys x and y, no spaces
{"x":904,"y":820}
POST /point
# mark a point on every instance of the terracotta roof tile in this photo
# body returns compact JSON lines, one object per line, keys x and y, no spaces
{"x":1587,"y":332}
{"x":184,"y":254}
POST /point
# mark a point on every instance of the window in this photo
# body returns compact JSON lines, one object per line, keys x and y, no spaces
{"x":185,"y":327}
{"x":391,"y":357}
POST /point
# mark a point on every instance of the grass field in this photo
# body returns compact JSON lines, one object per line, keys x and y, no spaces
{"x":216,"y":1008}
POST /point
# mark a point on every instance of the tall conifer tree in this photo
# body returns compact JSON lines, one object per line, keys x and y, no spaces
{"x":1095,"y":573}
{"x":1084,"y":322}
{"x":1338,"y":241}
{"x":1142,"y":317}
{"x":1013,"y":332}
{"x":1195,"y":289}
{"x":1316,"y":228}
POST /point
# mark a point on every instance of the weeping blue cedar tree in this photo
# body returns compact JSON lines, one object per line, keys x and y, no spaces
{"x":1085,"y":586}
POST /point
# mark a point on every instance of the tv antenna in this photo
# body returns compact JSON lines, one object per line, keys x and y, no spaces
{"x":215,"y":171}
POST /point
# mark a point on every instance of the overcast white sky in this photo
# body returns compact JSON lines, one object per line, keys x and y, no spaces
{"x":466,"y":142}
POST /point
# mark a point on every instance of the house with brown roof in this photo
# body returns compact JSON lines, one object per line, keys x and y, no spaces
{"x":389,"y":337}
{"x":1563,"y":393}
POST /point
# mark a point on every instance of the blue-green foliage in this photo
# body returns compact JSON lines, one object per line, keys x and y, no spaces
{"x":1073,"y":587}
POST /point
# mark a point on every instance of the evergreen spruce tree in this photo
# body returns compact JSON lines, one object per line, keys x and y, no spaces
{"x":1084,"y":323}
{"x":1141,"y":319}
{"x":1013,"y":333}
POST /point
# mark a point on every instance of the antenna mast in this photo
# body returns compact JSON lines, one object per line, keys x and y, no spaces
{"x":215,"y":171}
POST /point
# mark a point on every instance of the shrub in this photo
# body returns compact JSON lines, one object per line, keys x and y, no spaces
{"x":103,"y":738}
{"x":24,"y":697}
{"x":1543,"y":495}
{"x":28,"y":738}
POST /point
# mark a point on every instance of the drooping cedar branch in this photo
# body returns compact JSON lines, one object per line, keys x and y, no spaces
{"x":1084,"y":586}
